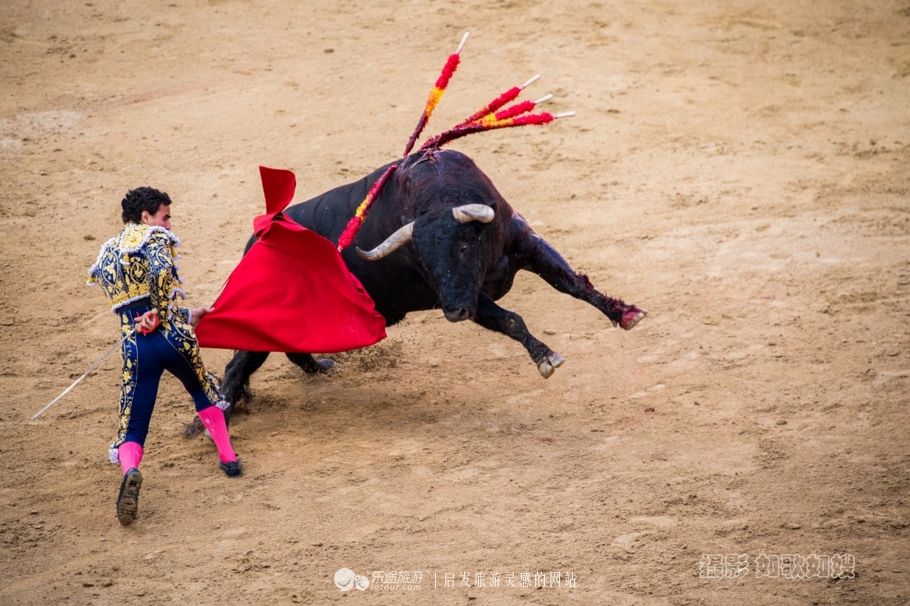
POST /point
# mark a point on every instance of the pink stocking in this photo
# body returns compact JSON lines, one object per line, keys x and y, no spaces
{"x":130,"y":454}
{"x":213,"y":419}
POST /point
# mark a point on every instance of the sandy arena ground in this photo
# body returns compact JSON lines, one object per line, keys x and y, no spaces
{"x":741,"y":169}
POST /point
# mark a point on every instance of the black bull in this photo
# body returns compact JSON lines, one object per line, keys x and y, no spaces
{"x":457,"y":245}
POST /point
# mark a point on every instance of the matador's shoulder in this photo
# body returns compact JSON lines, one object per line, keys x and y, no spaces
{"x":135,"y":237}
{"x":132,"y":239}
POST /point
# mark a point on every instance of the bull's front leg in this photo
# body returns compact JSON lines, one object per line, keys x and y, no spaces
{"x":493,"y":317}
{"x":543,"y":260}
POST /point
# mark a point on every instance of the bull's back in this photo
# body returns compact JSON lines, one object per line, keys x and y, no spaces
{"x":328,"y":214}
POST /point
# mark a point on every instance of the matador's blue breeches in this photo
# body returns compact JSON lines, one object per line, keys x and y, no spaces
{"x":172,"y":347}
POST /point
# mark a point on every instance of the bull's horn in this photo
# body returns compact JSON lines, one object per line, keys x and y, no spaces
{"x":473,"y":212}
{"x":392,"y":243}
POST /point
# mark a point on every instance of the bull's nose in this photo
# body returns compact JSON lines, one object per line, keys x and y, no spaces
{"x":456,"y":315}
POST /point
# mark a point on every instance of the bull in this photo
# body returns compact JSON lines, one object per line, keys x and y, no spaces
{"x":438,"y":236}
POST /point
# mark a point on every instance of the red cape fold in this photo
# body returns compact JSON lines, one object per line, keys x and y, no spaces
{"x":278,"y":185}
{"x":292,"y":291}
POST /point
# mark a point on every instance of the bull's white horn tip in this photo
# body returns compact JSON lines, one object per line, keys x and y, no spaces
{"x":529,"y":82}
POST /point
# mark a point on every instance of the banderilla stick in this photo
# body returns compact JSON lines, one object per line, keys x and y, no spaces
{"x":87,"y":372}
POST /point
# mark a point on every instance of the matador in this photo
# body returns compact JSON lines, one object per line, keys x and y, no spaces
{"x":137,"y":273}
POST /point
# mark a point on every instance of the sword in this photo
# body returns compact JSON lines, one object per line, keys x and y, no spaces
{"x":87,"y":372}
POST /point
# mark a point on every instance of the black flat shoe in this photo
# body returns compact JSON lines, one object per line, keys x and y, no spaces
{"x":232,"y":469}
{"x":128,"y":501}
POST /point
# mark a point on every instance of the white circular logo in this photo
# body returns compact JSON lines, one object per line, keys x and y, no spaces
{"x":346,"y":579}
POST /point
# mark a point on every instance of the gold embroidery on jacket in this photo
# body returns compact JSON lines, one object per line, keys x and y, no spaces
{"x":139,"y":263}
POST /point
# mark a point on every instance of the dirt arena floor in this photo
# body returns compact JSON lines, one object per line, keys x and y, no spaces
{"x":741,"y":169}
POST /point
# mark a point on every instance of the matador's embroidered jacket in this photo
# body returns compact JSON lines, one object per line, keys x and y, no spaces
{"x":139,"y":263}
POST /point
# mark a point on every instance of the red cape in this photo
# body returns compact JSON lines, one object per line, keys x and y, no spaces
{"x":292,"y":291}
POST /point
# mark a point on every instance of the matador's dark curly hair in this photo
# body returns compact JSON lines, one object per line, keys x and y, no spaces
{"x":140,"y":199}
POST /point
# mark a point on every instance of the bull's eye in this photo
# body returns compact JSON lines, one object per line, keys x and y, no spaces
{"x":464,"y":249}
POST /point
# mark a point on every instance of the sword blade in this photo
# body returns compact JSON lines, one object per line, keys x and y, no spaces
{"x":87,"y":372}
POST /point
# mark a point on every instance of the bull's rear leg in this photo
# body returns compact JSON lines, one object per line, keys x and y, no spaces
{"x":236,"y":385}
{"x":493,"y":317}
{"x":309,"y":364}
{"x":545,"y":261}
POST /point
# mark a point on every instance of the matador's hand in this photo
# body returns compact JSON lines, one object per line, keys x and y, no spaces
{"x":147,"y":322}
{"x":198,"y":313}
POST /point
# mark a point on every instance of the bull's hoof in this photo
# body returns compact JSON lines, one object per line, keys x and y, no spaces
{"x":631,"y":317}
{"x":549,"y":364}
{"x":325,"y":365}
